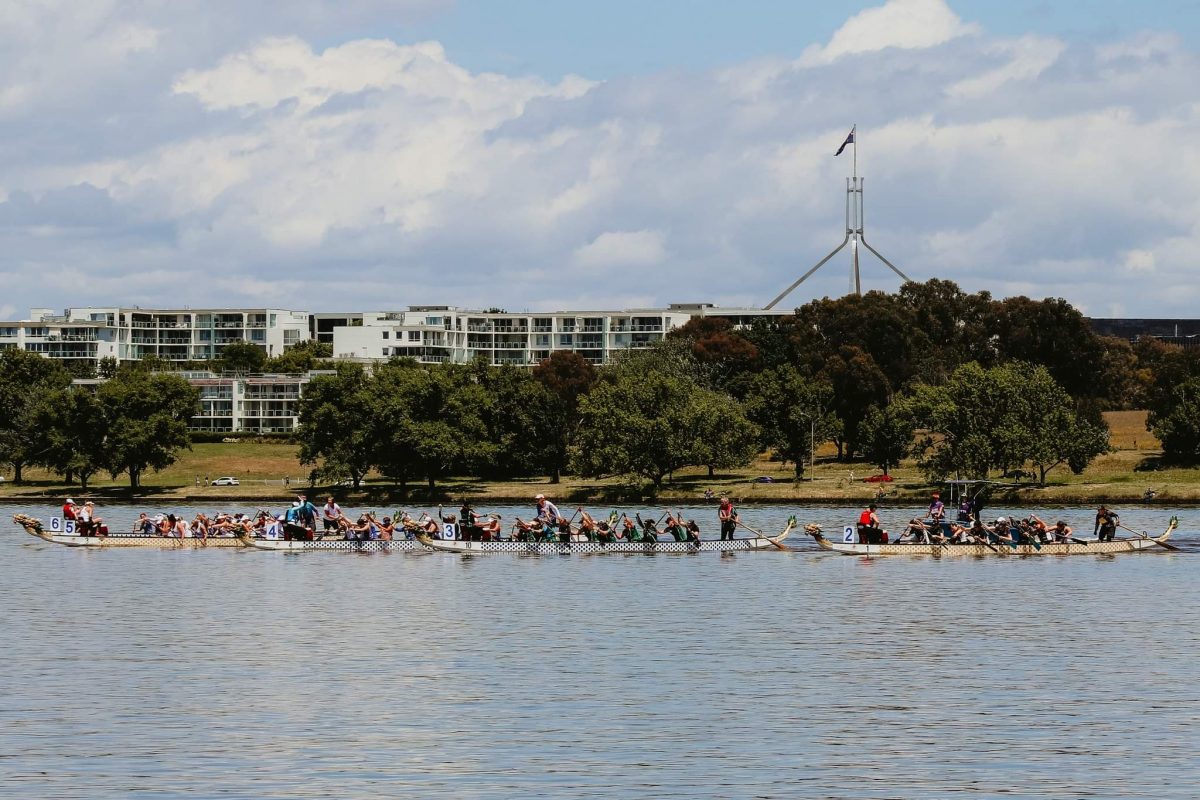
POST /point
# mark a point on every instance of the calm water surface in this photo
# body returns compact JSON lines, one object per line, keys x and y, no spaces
{"x":230,"y":673}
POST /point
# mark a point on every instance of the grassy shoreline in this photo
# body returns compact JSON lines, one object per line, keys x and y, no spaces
{"x":263,"y":466}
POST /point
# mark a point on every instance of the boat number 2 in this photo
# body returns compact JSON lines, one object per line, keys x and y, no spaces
{"x":848,"y":534}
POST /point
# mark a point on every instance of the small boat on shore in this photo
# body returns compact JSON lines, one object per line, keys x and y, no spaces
{"x":582,"y":546}
{"x":979,"y":548}
{"x":33,"y":526}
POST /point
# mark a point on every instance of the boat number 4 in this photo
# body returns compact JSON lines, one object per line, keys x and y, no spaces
{"x":848,"y":534}
{"x":58,"y":525}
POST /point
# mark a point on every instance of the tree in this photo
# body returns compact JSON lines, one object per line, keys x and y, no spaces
{"x":25,"y":379}
{"x":147,"y":421}
{"x":524,"y":422}
{"x":726,"y":438}
{"x":1003,"y":418}
{"x":858,"y":383}
{"x":432,"y":421}
{"x":1176,"y":422}
{"x":715,"y":342}
{"x":74,"y":426}
{"x":649,"y":426}
{"x":887,"y":433}
{"x":108,"y":367}
{"x":793,"y":413}
{"x":335,"y":424}
{"x":1053,"y":334}
{"x":243,"y":357}
{"x":301,"y":357}
{"x":566,"y":376}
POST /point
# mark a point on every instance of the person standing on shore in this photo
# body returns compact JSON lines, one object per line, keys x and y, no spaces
{"x":728,"y":516}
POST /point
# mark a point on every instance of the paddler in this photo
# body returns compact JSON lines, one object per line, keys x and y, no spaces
{"x":729,"y":518}
{"x":869,"y":529}
{"x":1106,"y":524}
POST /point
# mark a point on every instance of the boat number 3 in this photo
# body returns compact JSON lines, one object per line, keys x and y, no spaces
{"x":848,"y":534}
{"x":448,"y":530}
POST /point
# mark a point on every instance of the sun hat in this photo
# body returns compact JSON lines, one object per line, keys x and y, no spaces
{"x":536,"y":497}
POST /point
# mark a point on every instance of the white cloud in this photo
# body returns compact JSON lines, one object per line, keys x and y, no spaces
{"x":148,"y":168}
{"x":1027,"y":58}
{"x":907,"y":24}
{"x":622,"y":249}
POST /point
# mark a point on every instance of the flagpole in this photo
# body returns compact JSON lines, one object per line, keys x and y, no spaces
{"x":855,"y":132}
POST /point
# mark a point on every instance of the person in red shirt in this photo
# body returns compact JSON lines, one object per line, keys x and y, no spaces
{"x":69,"y":509}
{"x":869,"y":531}
{"x":728,"y":517}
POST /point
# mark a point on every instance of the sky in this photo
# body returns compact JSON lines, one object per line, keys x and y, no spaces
{"x":370,"y":155}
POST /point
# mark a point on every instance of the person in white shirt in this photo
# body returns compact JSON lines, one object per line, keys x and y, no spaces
{"x":331,"y":514}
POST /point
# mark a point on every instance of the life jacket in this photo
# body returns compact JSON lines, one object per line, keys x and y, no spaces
{"x":864,"y":519}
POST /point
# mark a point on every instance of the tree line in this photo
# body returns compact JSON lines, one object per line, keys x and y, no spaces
{"x":132,"y":423}
{"x":964,"y":384}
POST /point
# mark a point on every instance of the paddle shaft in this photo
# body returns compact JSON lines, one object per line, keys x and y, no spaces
{"x":1144,"y":535}
{"x":759,"y":534}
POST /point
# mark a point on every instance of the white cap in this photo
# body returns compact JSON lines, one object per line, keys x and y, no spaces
{"x":537,"y":497}
{"x":1001,"y":520}
{"x":159,"y":518}
{"x":70,"y":502}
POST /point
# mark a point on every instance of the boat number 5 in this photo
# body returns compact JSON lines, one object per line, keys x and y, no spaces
{"x":848,"y":534}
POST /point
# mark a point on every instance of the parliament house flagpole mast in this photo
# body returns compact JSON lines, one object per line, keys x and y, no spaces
{"x":854,"y":229}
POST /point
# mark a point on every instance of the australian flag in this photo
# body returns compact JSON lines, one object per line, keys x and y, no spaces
{"x":849,"y":140}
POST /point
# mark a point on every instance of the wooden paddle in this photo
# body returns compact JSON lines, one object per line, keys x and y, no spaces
{"x":759,"y":534}
{"x":1144,"y":535}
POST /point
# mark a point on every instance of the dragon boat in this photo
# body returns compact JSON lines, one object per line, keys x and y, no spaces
{"x":1078,"y":547}
{"x":65,"y":535}
{"x":582,"y":546}
{"x":334,"y":545}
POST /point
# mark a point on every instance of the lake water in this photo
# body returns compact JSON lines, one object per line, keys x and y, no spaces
{"x":230,"y":673}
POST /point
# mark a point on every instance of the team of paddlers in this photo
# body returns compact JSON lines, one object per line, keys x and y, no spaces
{"x":305,"y":521}
{"x":969,"y":527}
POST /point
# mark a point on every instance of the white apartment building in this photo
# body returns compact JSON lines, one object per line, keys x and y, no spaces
{"x":248,"y":404}
{"x":437,"y":334}
{"x":129,"y":334}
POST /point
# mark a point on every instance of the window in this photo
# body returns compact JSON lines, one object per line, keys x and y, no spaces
{"x":414,"y":336}
{"x":385,"y":335}
{"x":385,"y":351}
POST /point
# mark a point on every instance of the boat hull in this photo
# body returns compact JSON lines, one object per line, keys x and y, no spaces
{"x":600,"y":548}
{"x":334,"y":545}
{"x":33,"y":527}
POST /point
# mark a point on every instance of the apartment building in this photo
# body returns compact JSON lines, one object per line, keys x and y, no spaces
{"x":437,"y":334}
{"x":248,"y":404}
{"x":130,"y":334}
